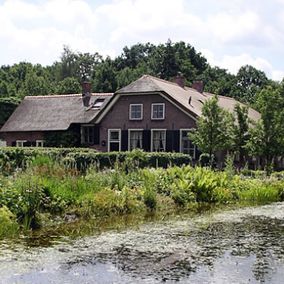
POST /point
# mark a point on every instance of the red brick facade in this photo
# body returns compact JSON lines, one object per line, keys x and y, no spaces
{"x":118,"y":117}
{"x":12,"y":137}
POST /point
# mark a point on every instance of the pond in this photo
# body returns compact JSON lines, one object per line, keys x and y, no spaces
{"x":244,"y":245}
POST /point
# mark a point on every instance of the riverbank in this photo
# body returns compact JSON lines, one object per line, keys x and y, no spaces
{"x":236,"y":245}
{"x":48,"y":192}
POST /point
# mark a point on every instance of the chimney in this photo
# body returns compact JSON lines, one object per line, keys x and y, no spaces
{"x":198,"y":86}
{"x":179,"y":80}
{"x":86,"y":93}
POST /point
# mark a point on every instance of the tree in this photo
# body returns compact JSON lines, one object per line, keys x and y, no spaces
{"x":69,"y":85}
{"x":36,"y":85}
{"x":214,"y":129}
{"x":104,"y":77}
{"x":248,"y":82}
{"x":241,"y":131}
{"x":267,"y":137}
{"x":76,"y":64}
{"x":7,"y":106}
{"x":218,"y":81}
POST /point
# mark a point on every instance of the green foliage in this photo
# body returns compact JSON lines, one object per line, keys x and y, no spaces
{"x":267,"y":137}
{"x":68,"y":85}
{"x":83,"y":158}
{"x":229,"y":166}
{"x":149,"y":194}
{"x":48,"y":186}
{"x":218,"y":81}
{"x":108,"y":201}
{"x":8,"y":223}
{"x":214,"y":129}
{"x":249,"y":81}
{"x":69,"y":138}
{"x":241,"y":131}
{"x":259,"y":192}
{"x":7,"y":106}
{"x":32,"y":199}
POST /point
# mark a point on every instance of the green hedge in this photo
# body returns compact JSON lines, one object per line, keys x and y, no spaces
{"x":135,"y":159}
{"x":82,"y":158}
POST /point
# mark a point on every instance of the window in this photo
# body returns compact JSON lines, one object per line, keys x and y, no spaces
{"x":158,"y":140}
{"x":186,"y":145}
{"x":98,"y":103}
{"x":135,"y":139}
{"x":158,"y":111}
{"x":136,"y":112}
{"x":39,"y":143}
{"x":20,"y":143}
{"x":88,"y":135}
{"x":114,"y":139}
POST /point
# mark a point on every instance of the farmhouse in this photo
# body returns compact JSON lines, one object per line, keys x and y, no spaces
{"x":150,"y":113}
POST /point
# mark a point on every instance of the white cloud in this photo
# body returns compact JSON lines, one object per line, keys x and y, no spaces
{"x":233,"y":63}
{"x":146,"y":17}
{"x":36,"y":31}
{"x":233,"y":27}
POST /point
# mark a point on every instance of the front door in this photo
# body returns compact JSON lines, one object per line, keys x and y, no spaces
{"x":114,"y":140}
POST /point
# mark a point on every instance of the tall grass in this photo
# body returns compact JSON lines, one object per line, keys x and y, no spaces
{"x":56,"y":188}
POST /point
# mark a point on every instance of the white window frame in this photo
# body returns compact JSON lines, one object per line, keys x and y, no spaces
{"x":134,"y":129}
{"x":39,"y":143}
{"x":130,"y":112}
{"x":152,"y":111}
{"x":180,"y":141}
{"x":114,"y":141}
{"x":158,"y":129}
{"x":20,"y":143}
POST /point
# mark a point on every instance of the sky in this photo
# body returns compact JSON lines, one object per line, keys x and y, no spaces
{"x":229,"y":33}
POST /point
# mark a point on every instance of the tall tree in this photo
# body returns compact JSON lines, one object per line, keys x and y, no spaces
{"x":214,"y":129}
{"x":267,"y":137}
{"x":248,"y":82}
{"x":69,"y":85}
{"x":241,"y":131}
{"x":104,"y":77}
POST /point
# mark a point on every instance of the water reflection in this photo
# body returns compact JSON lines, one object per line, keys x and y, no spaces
{"x":236,"y":246}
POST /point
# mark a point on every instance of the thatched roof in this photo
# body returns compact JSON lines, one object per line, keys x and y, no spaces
{"x":54,"y":112}
{"x":58,"y":112}
{"x":182,"y":96}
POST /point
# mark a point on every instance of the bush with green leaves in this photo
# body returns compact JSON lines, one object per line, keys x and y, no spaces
{"x":52,"y":187}
{"x":83,"y":158}
{"x":8,"y":223}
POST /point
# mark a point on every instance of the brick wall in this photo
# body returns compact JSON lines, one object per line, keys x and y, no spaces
{"x":118,"y":116}
{"x":11,"y":137}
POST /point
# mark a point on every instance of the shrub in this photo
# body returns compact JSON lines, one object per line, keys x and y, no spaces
{"x":109,"y":201}
{"x":8,"y":223}
{"x":149,"y":188}
{"x":181,"y":192}
{"x":259,"y":192}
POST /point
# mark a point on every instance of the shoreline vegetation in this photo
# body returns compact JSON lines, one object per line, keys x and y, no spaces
{"x":48,"y":187}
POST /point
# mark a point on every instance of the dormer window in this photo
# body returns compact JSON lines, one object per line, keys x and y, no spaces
{"x":136,"y":112}
{"x":98,"y":103}
{"x":158,"y":111}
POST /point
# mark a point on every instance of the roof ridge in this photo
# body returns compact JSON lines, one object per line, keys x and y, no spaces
{"x":66,"y":95}
{"x":163,"y":80}
{"x":152,"y":78}
{"x":221,"y":96}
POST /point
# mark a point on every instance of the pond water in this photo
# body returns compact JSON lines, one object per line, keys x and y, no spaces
{"x":244,"y":245}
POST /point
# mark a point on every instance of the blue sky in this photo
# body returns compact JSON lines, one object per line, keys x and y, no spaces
{"x":229,"y":33}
